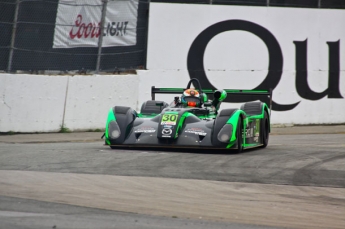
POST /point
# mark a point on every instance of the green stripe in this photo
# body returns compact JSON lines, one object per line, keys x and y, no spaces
{"x":250,"y":145}
{"x":111,"y":117}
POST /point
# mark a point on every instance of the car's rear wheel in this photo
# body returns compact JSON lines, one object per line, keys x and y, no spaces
{"x":239,"y":135}
{"x":265,"y":130}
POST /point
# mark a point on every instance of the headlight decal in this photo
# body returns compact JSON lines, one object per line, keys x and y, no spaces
{"x":225,"y":133}
{"x":114,"y":131}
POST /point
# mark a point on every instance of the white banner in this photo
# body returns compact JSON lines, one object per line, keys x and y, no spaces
{"x":299,"y":53}
{"x":78,"y":23}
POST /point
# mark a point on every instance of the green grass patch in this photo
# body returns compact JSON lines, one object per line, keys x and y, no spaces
{"x":64,"y":129}
{"x":95,"y":130}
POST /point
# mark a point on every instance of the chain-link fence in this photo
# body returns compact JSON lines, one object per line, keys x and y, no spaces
{"x":73,"y":35}
{"x":90,"y":35}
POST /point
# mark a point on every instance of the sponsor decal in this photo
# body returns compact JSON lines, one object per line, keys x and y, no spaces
{"x":78,"y":23}
{"x":168,"y":126}
{"x":256,"y":139}
{"x":257,"y":128}
{"x":166,"y":131}
{"x":145,"y":130}
{"x":168,"y":123}
{"x":169,"y":119}
{"x":249,"y":132}
{"x":197,"y":131}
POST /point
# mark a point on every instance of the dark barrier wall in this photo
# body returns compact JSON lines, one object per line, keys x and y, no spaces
{"x":7,"y":9}
{"x":34,"y":34}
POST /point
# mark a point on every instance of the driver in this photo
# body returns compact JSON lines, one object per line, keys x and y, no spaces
{"x":190,"y":98}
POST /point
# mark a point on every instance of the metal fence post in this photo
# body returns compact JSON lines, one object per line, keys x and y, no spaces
{"x":100,"y":39}
{"x":13,"y":37}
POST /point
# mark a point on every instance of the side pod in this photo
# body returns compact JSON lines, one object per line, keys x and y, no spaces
{"x":119,"y":129}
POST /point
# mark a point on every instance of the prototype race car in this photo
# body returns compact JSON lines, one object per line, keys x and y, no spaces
{"x":191,"y":120}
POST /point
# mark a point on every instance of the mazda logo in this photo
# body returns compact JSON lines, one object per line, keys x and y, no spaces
{"x":166,"y":131}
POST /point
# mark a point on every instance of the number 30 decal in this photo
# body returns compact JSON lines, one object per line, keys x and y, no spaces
{"x":169,"y":118}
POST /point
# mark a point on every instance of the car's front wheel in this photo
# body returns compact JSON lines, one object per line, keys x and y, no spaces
{"x":239,"y":136}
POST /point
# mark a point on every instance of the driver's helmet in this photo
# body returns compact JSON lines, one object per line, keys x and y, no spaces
{"x":190,"y":98}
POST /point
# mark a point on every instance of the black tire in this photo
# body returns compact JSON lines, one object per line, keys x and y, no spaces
{"x":252,"y":108}
{"x":265,"y":132}
{"x":112,"y":147}
{"x":239,"y":136}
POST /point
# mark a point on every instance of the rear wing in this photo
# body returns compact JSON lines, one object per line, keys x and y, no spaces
{"x":251,"y":95}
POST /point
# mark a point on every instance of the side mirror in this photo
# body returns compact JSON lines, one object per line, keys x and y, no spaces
{"x":220,"y":95}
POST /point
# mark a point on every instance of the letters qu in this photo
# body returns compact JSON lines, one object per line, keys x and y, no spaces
{"x":196,"y":69}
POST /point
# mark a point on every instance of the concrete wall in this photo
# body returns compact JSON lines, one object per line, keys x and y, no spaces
{"x":30,"y":103}
{"x":39,"y":103}
{"x":89,"y":99}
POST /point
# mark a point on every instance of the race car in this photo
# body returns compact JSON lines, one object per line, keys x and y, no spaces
{"x":192,"y":120}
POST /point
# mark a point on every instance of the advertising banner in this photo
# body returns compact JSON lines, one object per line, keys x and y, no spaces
{"x":298,"y":53}
{"x":78,"y":23}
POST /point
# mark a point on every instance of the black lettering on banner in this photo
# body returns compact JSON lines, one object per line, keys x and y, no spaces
{"x":195,"y":63}
{"x":125,"y":28}
{"x":119,"y":28}
{"x":302,"y":86}
{"x":112,"y":28}
{"x":116,"y":29}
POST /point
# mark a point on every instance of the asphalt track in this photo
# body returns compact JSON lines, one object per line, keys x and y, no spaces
{"x":73,"y":181}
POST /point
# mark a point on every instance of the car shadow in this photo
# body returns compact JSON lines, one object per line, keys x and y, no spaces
{"x":190,"y":150}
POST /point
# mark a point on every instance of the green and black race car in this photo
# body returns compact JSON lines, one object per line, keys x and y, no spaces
{"x":191,"y":121}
